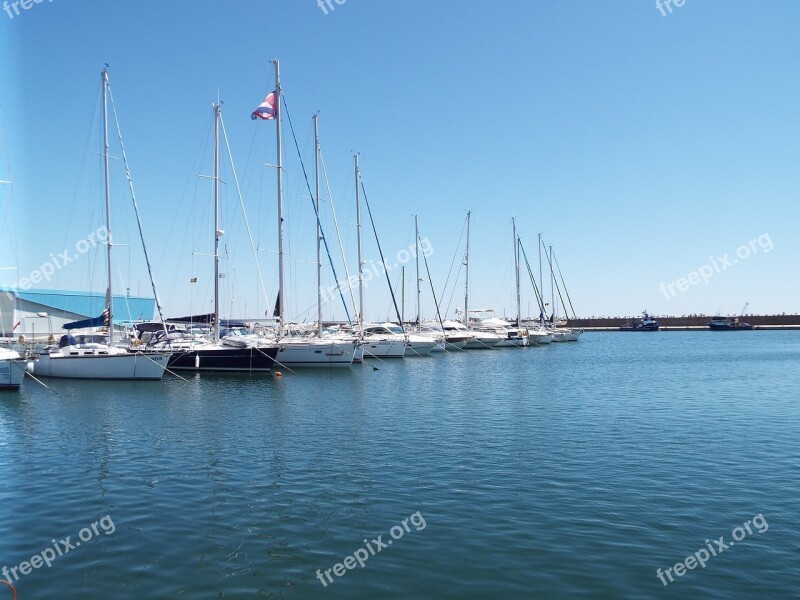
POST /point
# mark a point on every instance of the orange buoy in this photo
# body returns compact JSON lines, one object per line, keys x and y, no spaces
{"x":278,"y":374}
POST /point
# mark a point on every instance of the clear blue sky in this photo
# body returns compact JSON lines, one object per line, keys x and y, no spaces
{"x":640,"y":145}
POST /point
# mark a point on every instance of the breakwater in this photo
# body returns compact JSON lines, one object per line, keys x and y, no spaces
{"x":782,"y":321}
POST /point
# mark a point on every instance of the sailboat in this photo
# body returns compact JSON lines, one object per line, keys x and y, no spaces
{"x":481,"y":339}
{"x":538,"y":334}
{"x":520,"y":329}
{"x":377,"y":343}
{"x":298,"y":351}
{"x":560,"y":334}
{"x":452,"y":338}
{"x":101,"y":360}
{"x":193,"y":353}
{"x":511,"y":334}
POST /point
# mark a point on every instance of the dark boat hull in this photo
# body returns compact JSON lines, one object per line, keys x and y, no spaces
{"x":740,"y":327}
{"x":242,"y":360}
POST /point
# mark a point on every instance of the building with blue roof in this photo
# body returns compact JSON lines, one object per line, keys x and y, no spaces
{"x":45,"y":312}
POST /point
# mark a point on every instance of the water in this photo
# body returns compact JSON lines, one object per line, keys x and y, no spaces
{"x":576,"y":471}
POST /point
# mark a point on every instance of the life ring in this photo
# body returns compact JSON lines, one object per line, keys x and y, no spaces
{"x":13,"y":589}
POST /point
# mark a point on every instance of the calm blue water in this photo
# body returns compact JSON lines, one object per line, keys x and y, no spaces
{"x":570,"y":471}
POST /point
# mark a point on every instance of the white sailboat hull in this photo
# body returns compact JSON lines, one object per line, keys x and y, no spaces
{"x":458,"y":342}
{"x":94,"y":365}
{"x":12,"y":370}
{"x":566,"y":335}
{"x":538,"y":338}
{"x":482,"y":343}
{"x":316,"y":354}
{"x":475,"y":340}
{"x":419,"y":347}
{"x":384,"y":348}
{"x":513,"y":342}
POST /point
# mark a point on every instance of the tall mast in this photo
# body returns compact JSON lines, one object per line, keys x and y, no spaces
{"x":319,"y":230}
{"x":541,"y":285}
{"x":278,"y":113}
{"x":360,"y":259}
{"x":109,"y":293}
{"x":516,"y":268}
{"x":217,"y":230}
{"x":416,"y":246}
{"x":552,"y":286}
{"x":466,"y":279}
{"x":402,"y":296}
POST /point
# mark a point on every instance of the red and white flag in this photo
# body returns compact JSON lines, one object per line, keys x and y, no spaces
{"x":268,"y":109}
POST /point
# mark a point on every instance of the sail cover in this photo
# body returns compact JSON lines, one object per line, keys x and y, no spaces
{"x":199,"y":319}
{"x":85,"y":324}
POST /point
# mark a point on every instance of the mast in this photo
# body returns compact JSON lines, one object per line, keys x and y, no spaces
{"x":552,"y":286}
{"x":466,"y":283}
{"x":217,"y":231}
{"x":516,"y":268}
{"x":319,"y":229}
{"x":402,"y":295}
{"x":108,"y":209}
{"x":360,"y":259}
{"x":541,"y":284}
{"x":416,"y":246}
{"x":278,"y":113}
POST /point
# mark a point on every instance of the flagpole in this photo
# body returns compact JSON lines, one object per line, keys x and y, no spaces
{"x":278,"y":112}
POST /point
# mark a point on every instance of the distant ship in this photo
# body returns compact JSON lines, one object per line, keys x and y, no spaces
{"x":646,"y":323}
{"x":728,"y":324}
